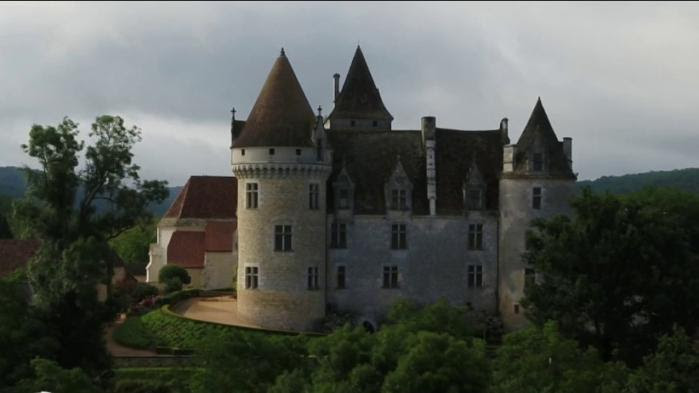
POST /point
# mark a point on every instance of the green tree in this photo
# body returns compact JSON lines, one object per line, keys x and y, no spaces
{"x":173,"y":277}
{"x":5,"y":231}
{"x":673,"y":368}
{"x":133,"y":245}
{"x":539,"y":360}
{"x":60,"y":209}
{"x":50,"y":377}
{"x":439,"y":363}
{"x":621,"y":272}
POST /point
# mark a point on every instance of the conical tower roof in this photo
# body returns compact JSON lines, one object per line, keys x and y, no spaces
{"x":281,"y":115}
{"x":538,"y":125}
{"x":359,"y":97}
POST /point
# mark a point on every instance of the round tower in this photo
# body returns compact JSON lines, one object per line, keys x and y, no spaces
{"x":537,"y":182}
{"x":282,"y":167}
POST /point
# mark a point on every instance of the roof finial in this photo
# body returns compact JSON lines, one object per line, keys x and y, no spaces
{"x":282,"y":53}
{"x":233,"y":111}
{"x":320,"y":109}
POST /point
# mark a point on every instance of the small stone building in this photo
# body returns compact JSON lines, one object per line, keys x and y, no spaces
{"x":198,"y":233}
{"x":344,"y":213}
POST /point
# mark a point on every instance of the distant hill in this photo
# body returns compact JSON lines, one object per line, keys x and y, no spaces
{"x":13,"y":184}
{"x":682,"y":179}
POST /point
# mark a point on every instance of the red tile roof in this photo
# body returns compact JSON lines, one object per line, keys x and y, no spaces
{"x":218,"y":236}
{"x":186,"y":249}
{"x":206,"y":197}
{"x":15,"y":254}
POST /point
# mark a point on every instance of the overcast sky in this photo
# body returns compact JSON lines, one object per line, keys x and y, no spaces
{"x":621,"y":79}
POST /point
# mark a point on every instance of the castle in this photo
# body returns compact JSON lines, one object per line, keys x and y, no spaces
{"x":344,"y":213}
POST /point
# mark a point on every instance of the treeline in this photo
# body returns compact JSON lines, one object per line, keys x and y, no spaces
{"x":681,"y":179}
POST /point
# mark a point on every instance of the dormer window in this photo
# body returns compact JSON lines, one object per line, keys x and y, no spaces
{"x":271,"y":152}
{"x":474,"y":199}
{"x":399,"y":199}
{"x":474,"y":188}
{"x":343,"y":199}
{"x":538,"y":162}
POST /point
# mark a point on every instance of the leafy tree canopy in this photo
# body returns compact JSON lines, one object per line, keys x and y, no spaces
{"x":619,"y":274}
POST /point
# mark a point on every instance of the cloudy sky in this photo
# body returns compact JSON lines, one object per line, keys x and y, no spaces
{"x":621,"y":79}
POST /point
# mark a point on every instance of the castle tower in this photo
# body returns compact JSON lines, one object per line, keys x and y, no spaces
{"x":358,"y":105}
{"x":537,"y":181}
{"x":282,"y":166}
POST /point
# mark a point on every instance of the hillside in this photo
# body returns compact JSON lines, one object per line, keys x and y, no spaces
{"x":682,"y":179}
{"x":13,"y":185}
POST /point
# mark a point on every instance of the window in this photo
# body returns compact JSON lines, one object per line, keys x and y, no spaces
{"x":298,"y":152}
{"x":398,"y":237}
{"x":271,"y":152}
{"x":475,"y":276}
{"x":251,"y":195}
{"x":399,"y":199}
{"x":319,"y":150}
{"x":242,"y":152}
{"x":282,"y":238}
{"x":313,"y":192}
{"x":538,"y":162}
{"x":475,"y":199}
{"x":344,"y":199}
{"x":341,"y":277}
{"x":475,"y":236}
{"x":353,"y":123}
{"x":516,"y":308}
{"x":251,"y":277}
{"x":390,"y":276}
{"x":529,"y":277}
{"x":338,"y":235}
{"x":312,"y":279}
{"x":375,"y":123}
{"x":536,"y":198}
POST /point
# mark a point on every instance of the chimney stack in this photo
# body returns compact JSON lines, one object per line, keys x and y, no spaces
{"x":568,"y":150}
{"x":337,"y":85}
{"x":429,"y":129}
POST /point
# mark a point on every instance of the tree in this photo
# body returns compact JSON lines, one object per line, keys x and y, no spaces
{"x":5,"y":231}
{"x":673,"y":368}
{"x":61,"y":209}
{"x":173,"y":277}
{"x":51,"y":377}
{"x":133,"y":245}
{"x":620,"y":273}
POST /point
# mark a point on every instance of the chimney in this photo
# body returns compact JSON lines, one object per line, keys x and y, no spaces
{"x":429,"y":128}
{"x":568,"y":150}
{"x":503,"y":131}
{"x":337,"y":85}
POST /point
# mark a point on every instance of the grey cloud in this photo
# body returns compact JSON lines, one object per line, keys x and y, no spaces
{"x":620,"y":79}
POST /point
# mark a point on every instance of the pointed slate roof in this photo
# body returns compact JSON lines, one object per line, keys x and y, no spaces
{"x":281,"y":115}
{"x":359,"y":97}
{"x":538,"y":135}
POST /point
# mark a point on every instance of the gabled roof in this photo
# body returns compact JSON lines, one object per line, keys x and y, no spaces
{"x":186,"y":249}
{"x":281,"y":115}
{"x":359,"y":97}
{"x":206,"y":197}
{"x":218,"y":236}
{"x":538,"y":134}
{"x":15,"y":254}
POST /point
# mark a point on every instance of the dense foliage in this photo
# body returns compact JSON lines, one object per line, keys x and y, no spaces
{"x":619,"y":274}
{"x":75,"y":256}
{"x":680,"y":179}
{"x":133,"y":245}
{"x":173,"y":277}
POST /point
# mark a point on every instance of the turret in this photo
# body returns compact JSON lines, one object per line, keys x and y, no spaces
{"x":282,"y":167}
{"x":537,"y":181}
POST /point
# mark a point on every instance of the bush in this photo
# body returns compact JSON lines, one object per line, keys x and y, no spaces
{"x":132,"y":333}
{"x":154,"y":379}
{"x":173,"y":277}
{"x":142,"y":291}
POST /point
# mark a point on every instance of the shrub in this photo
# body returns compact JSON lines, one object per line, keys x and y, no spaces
{"x":173,"y":277}
{"x":142,"y":291}
{"x":132,"y":333}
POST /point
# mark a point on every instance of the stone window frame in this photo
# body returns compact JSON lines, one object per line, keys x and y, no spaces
{"x":314,"y":196}
{"x":312,"y":283}
{"x":341,"y":276}
{"x":475,"y":236}
{"x":252,"y":195}
{"x":399,"y":236}
{"x":537,"y":198}
{"x":469,"y":191}
{"x":252,"y":276}
{"x":390,"y":277}
{"x":338,"y":235}
{"x":399,"y":199}
{"x":538,"y":162}
{"x":283,"y":236}
{"x":475,"y":276}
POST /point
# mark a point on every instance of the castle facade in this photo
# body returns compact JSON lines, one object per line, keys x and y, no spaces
{"x":344,"y":213}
